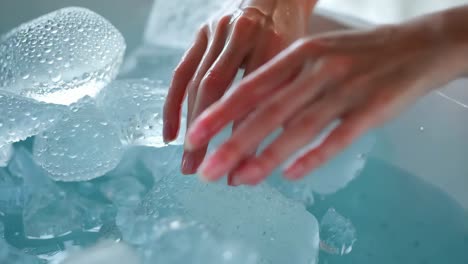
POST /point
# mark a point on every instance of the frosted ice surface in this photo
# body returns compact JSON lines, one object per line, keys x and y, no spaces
{"x":337,"y":234}
{"x":331,"y":177}
{"x":61,"y":57}
{"x":5,"y":155}
{"x":21,"y":117}
{"x":104,"y":252}
{"x":280,"y":230}
{"x":81,"y":146}
{"x":10,"y":255}
{"x":135,"y":107}
{"x":11,"y":194}
{"x":175,"y":23}
{"x":175,"y":241}
{"x":49,"y":210}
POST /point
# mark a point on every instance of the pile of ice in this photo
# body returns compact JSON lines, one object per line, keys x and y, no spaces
{"x":82,"y":160}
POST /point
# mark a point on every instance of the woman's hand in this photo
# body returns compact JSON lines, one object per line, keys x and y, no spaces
{"x":246,"y":35}
{"x":360,"y":78}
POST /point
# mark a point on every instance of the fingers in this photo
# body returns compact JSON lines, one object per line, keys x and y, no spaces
{"x":182,"y":75}
{"x":305,"y":127}
{"x":259,"y":125}
{"x":191,"y":159}
{"x":349,"y":130}
{"x":246,"y":97}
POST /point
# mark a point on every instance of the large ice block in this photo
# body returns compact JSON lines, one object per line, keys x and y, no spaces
{"x":61,"y":57}
{"x":175,"y":23}
{"x":281,"y":230}
{"x":81,"y":146}
{"x":21,"y":117}
{"x":52,"y":211}
{"x":176,"y":241}
{"x":135,"y":107}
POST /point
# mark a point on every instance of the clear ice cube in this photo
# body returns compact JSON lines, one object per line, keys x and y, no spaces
{"x":104,"y":252}
{"x":50,"y":210}
{"x":333,"y":176}
{"x":136,"y":107}
{"x":11,"y":194}
{"x":280,"y":230}
{"x":175,"y":241}
{"x":5,"y":154}
{"x":81,"y":146}
{"x":337,"y":234}
{"x":21,"y":117}
{"x":61,"y":57}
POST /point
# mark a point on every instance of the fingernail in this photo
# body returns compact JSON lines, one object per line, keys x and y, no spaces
{"x":247,"y":174}
{"x":195,"y":137}
{"x":212,"y":168}
{"x":295,"y":171}
{"x":188,"y":163}
{"x":168,"y":131}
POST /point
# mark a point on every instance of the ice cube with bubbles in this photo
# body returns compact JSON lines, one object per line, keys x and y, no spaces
{"x":61,"y":57}
{"x":280,"y":230}
{"x":22,"y":117}
{"x":82,"y":146}
{"x":135,"y":106}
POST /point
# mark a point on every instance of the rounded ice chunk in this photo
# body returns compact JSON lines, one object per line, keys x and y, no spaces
{"x":61,"y":57}
{"x":135,"y":107}
{"x":21,"y":117}
{"x":82,"y":146}
{"x":333,"y":176}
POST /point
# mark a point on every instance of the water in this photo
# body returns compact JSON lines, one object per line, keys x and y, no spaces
{"x":60,"y":57}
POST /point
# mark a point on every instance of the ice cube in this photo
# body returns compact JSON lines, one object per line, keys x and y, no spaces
{"x":175,"y":23}
{"x":136,"y":107}
{"x":49,"y":209}
{"x":175,"y":241}
{"x":337,"y":234}
{"x":61,"y":57}
{"x":331,"y":177}
{"x":5,"y":155}
{"x":10,"y":255}
{"x":104,"y":252}
{"x":21,"y":117}
{"x":280,"y":230}
{"x":81,"y":146}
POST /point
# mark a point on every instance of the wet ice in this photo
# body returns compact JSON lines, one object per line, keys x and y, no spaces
{"x":49,"y":209}
{"x":337,"y":234}
{"x":60,"y":57}
{"x":135,"y":107}
{"x":5,"y":154}
{"x":83,"y":145}
{"x":22,"y":117}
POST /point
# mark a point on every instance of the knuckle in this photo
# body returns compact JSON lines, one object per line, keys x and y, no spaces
{"x":270,"y":159}
{"x":212,"y":80}
{"x":274,"y":109}
{"x":230,"y":148}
